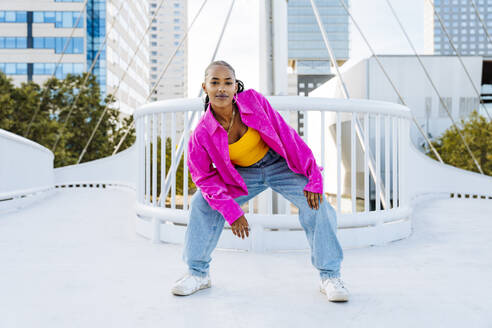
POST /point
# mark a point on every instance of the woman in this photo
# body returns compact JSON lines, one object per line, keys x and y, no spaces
{"x":240,"y":147}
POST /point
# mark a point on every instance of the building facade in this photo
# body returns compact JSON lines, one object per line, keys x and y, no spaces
{"x":462,"y":24}
{"x":365,"y":80}
{"x":169,"y":24}
{"x":168,"y":28}
{"x":467,"y":33}
{"x":308,"y":57}
{"x":35,"y":36}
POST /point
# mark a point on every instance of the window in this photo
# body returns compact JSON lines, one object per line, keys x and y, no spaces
{"x":153,"y":61}
{"x":21,"y":16}
{"x":63,"y":19}
{"x":14,"y":68}
{"x":153,"y":5}
{"x":153,"y":44}
{"x":10,"y":16}
{"x":21,"y":43}
{"x":153,"y":53}
{"x":10,"y":43}
{"x":442,"y":110}
{"x":467,"y":105}
{"x":310,"y":85}
{"x":301,"y":85}
{"x":154,"y":28}
{"x":75,"y":45}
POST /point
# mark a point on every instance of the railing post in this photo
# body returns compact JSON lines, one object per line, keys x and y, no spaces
{"x":404,"y":145}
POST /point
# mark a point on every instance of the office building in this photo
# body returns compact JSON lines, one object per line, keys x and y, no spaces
{"x":308,"y":57}
{"x":461,"y":22}
{"x":168,"y":28}
{"x":35,"y":36}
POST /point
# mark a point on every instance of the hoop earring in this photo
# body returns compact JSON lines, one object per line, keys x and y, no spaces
{"x":234,"y":99}
{"x":204,"y":96}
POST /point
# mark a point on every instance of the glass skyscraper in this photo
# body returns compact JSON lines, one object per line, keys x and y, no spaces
{"x":308,"y":57}
{"x":307,"y":51}
{"x":467,"y":33}
{"x":96,"y":32}
{"x":34,"y":34}
{"x":461,"y":22}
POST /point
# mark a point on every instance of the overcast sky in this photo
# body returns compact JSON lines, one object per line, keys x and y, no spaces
{"x":240,"y":48}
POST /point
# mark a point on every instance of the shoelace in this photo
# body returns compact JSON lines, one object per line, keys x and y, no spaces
{"x":337,"y":282}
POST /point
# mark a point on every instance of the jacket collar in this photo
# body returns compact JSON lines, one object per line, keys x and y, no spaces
{"x":211,"y":123}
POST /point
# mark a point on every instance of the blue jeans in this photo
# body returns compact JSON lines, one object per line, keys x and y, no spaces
{"x":206,"y":224}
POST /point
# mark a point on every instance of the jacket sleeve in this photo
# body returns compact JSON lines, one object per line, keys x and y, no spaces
{"x":206,"y":177}
{"x":300,"y":156}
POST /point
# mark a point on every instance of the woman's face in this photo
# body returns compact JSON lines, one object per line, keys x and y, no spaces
{"x":220,"y":85}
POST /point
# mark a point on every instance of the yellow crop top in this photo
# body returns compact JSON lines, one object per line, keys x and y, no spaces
{"x":249,"y":149}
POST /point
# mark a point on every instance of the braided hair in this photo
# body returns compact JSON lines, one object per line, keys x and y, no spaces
{"x":240,"y":84}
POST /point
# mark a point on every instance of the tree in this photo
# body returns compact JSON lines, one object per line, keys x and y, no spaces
{"x":477,"y":131}
{"x":50,"y":106}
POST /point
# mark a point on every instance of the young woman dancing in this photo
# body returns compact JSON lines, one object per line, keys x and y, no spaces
{"x":240,"y":147}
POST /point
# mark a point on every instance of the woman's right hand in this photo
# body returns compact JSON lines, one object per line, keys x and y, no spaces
{"x":240,"y":227}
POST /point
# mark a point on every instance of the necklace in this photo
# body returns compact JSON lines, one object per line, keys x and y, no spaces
{"x":232,"y":120}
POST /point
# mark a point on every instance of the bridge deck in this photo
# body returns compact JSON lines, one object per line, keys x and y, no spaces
{"x":75,"y":261}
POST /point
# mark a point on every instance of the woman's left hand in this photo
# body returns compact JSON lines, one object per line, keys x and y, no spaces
{"x":313,"y":199}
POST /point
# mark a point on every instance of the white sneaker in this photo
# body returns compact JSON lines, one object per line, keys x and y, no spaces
{"x":189,"y":284}
{"x":334,"y":290}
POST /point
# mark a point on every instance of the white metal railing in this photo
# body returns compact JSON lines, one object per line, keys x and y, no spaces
{"x":26,"y":171}
{"x":385,"y":134}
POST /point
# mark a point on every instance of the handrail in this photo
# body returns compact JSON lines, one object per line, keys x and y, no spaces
{"x":286,"y":103}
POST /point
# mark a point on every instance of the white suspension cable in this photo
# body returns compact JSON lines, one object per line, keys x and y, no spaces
{"x":358,"y":125}
{"x":443,"y":103}
{"x":180,"y":149}
{"x":93,"y":64}
{"x":390,"y":80}
{"x":137,"y":49}
{"x":164,"y":70}
{"x":330,"y":51}
{"x":445,"y":30}
{"x":26,"y":134}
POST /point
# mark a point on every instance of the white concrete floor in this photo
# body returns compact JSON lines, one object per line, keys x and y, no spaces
{"x":74,"y":260}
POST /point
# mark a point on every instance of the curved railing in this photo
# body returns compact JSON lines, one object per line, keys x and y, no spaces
{"x":119,"y":171}
{"x":365,"y":187}
{"x":26,"y":172}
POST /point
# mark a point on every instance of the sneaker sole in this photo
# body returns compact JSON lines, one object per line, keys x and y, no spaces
{"x":336,"y":297}
{"x":183,"y":293}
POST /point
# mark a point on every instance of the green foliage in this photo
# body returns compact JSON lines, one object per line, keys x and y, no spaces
{"x":179,"y":172}
{"x":477,"y":131}
{"x":50,"y":105}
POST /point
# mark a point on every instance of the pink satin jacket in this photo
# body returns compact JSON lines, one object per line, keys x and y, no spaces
{"x":210,"y":165}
